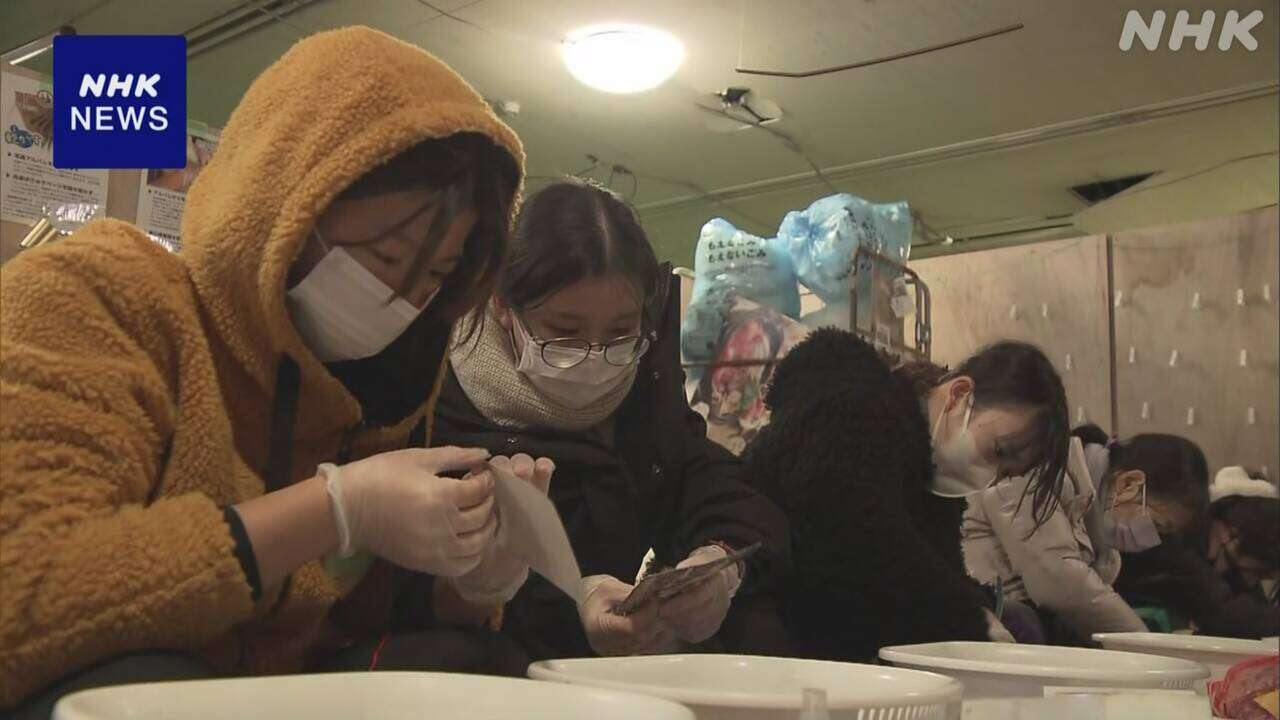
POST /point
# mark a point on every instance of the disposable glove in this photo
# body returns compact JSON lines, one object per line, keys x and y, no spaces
{"x":504,"y":569}
{"x":396,"y":506}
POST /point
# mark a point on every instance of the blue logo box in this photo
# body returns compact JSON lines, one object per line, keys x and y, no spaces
{"x":119,"y":101}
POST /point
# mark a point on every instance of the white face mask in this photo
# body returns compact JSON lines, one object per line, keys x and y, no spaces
{"x":341,"y":311}
{"x":960,"y":468}
{"x":1136,"y":534}
{"x":576,"y":387}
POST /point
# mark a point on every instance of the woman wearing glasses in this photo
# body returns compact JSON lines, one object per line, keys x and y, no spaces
{"x":577,"y":360}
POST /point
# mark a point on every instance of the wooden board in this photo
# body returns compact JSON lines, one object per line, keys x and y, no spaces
{"x":1051,"y":294}
{"x":1158,"y":273}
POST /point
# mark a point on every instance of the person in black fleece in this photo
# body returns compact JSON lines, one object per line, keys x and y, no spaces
{"x":577,"y":359}
{"x":850,"y":455}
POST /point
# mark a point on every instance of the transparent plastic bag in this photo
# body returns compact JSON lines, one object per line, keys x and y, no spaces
{"x":822,"y":241}
{"x":731,"y":263}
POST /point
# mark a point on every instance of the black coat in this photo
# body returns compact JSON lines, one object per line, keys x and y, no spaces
{"x":1175,"y":574}
{"x":877,"y":557}
{"x":662,"y":484}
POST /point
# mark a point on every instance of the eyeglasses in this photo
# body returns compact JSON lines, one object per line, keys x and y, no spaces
{"x":566,"y":352}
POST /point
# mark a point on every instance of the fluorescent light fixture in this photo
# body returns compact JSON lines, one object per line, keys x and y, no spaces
{"x":31,"y":54}
{"x":35,"y":48}
{"x":619,"y":58}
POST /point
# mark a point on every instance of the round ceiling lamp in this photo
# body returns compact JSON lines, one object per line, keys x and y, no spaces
{"x":622,"y":58}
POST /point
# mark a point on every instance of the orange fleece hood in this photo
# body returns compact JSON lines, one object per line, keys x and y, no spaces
{"x":337,"y":105}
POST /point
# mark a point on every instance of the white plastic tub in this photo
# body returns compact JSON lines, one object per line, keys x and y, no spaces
{"x":999,"y":670}
{"x":1172,"y":706}
{"x":356,"y":696}
{"x":1216,"y":653}
{"x":736,"y":687}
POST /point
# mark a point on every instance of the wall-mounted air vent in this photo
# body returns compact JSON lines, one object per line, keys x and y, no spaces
{"x":1095,"y":192}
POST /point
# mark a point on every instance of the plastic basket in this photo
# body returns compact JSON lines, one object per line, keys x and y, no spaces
{"x":736,"y":687}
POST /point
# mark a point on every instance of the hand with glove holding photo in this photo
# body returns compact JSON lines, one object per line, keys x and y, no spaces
{"x":665,"y":606}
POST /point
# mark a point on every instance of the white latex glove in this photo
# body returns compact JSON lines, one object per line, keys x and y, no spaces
{"x":396,"y":506}
{"x":996,"y":631}
{"x":504,"y":569}
{"x":611,"y":634}
{"x":697,"y":613}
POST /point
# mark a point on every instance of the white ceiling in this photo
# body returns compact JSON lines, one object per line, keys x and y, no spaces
{"x":863,"y":126}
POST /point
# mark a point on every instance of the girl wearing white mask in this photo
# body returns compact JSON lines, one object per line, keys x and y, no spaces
{"x":871,"y":466}
{"x":204,"y":466}
{"x":1161,"y":483}
{"x":577,"y":359}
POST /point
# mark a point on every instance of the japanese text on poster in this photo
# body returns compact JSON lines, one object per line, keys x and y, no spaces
{"x":162,"y":194}
{"x":28,"y":180}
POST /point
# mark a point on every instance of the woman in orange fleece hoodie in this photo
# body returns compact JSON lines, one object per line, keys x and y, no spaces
{"x":202,"y":454}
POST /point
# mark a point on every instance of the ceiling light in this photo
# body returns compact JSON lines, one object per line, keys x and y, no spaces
{"x":622,"y":58}
{"x":35,"y":48}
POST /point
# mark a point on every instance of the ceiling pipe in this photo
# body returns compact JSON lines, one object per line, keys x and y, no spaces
{"x":970,"y":148}
{"x":238,"y":22}
{"x":886,"y":58}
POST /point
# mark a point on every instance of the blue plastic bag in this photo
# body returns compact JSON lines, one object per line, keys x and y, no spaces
{"x":730,"y":262}
{"x":823,"y":238}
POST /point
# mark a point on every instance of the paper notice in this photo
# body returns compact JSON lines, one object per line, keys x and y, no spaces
{"x":162,"y":195}
{"x":28,"y":180}
{"x":530,"y":525}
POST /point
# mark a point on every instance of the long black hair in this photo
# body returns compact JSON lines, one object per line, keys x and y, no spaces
{"x":573,"y":229}
{"x":1016,"y":373}
{"x":463,"y":171}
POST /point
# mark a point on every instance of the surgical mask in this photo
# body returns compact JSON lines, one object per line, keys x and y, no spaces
{"x":341,"y":311}
{"x":960,"y":468}
{"x":1136,"y":534}
{"x":575,"y":387}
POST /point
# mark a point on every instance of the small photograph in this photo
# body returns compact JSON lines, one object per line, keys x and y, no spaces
{"x":199,"y":153}
{"x":35,"y":109}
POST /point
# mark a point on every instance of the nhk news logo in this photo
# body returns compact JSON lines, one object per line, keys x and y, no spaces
{"x":119,"y":101}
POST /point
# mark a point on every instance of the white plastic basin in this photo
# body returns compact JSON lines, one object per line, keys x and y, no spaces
{"x":995,"y":670}
{"x":355,"y":696}
{"x":737,"y":687}
{"x":1216,"y":653}
{"x":1172,"y":706}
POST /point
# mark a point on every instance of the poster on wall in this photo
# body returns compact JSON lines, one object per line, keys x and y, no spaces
{"x":28,"y":180}
{"x":730,"y":394}
{"x":162,"y":194}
